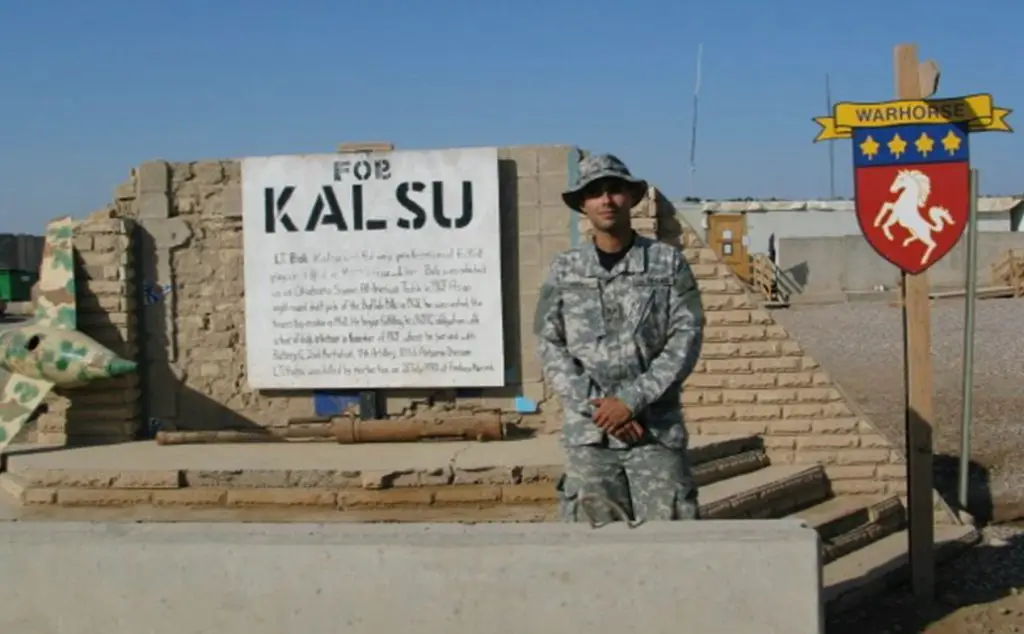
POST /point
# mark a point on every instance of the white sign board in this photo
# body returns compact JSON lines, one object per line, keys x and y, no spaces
{"x":369,"y":271}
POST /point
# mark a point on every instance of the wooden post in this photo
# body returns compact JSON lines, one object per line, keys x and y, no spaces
{"x":918,"y":384}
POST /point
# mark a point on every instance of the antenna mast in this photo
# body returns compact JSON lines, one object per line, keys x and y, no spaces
{"x":831,"y":146}
{"x":693,"y":125}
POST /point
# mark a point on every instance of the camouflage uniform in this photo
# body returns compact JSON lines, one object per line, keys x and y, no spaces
{"x":634,"y":333}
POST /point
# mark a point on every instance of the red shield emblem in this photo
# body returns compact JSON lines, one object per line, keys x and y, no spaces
{"x":912,"y":191}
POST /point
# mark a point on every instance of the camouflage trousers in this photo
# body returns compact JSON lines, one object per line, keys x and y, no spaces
{"x":648,"y":482}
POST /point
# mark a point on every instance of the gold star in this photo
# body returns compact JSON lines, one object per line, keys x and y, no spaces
{"x":869,"y":147}
{"x":924,"y":144}
{"x":897,"y":146}
{"x":951,"y":142}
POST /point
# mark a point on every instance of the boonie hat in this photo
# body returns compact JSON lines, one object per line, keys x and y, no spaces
{"x":598,"y":166}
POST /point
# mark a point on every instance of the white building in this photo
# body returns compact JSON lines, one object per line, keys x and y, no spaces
{"x":820,"y":248}
{"x":824,"y":218}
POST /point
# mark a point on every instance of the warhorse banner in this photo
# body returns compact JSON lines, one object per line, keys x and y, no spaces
{"x":911,"y":163}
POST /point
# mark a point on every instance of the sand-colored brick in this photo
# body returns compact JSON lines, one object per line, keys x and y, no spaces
{"x":281,"y":497}
{"x":851,"y":472}
{"x":470,"y":494}
{"x":355,"y":499}
{"x":103,"y":497}
{"x":529,"y":493}
{"x":191,"y":497}
{"x":831,"y":441}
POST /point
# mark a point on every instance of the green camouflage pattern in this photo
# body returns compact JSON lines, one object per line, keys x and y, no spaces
{"x":633,"y":333}
{"x":48,"y":351}
{"x":55,"y":305}
{"x":649,"y":482}
{"x":19,"y":398}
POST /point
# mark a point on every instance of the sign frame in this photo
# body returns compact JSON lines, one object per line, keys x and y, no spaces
{"x":426,"y":224}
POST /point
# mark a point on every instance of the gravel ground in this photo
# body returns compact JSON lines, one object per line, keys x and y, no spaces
{"x":860,"y":344}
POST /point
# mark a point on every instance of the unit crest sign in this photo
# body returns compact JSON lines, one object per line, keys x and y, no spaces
{"x":911,"y":163}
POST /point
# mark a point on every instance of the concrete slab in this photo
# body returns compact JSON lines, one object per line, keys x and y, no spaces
{"x":499,"y":579}
{"x":9,"y":511}
{"x":149,"y":456}
{"x":539,"y":451}
{"x":850,"y":579}
{"x":773,"y":489}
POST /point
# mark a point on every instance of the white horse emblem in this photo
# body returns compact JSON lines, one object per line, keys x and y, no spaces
{"x":906,"y":211}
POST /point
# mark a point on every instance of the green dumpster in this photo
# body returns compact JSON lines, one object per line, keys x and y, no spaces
{"x":16,"y":286}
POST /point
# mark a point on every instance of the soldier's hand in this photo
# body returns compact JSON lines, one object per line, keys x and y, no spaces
{"x":632,"y":431}
{"x":611,"y":414}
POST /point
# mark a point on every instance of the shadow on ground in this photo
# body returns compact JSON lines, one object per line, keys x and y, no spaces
{"x":985,"y":574}
{"x":946,"y":470}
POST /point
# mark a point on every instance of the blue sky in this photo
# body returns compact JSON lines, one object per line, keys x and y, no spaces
{"x":90,"y":89}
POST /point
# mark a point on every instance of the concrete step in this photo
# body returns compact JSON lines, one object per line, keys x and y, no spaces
{"x":342,"y":476}
{"x":854,"y":578}
{"x":303,"y":465}
{"x":847,"y":523}
{"x":703,"y":449}
{"x":772,"y":491}
{"x":769,"y":492}
{"x":730,"y":466}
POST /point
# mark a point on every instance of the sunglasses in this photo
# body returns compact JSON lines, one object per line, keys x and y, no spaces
{"x":599,"y":188}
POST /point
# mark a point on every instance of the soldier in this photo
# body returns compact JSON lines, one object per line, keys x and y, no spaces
{"x":619,"y":325}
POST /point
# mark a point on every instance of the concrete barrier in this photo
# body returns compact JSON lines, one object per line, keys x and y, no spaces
{"x":706,"y":577}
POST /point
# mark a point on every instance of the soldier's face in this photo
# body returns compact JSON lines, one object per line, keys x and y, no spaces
{"x":606,"y":203}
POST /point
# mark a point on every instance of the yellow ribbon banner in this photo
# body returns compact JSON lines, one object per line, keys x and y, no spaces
{"x":977,"y":110}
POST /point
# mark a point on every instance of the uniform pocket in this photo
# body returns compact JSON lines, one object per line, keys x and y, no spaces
{"x":582,"y":312}
{"x":649,"y":298}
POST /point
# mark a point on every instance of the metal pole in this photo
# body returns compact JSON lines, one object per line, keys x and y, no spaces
{"x":968,"y":360}
{"x":831,"y":146}
{"x":693,"y":125}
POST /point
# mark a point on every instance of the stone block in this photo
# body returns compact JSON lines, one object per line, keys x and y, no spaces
{"x":525,"y":157}
{"x":528,"y":191}
{"x":552,"y":245}
{"x":702,"y":568}
{"x":190,"y":497}
{"x":103,"y":497}
{"x":281,"y":497}
{"x":551,"y":188}
{"x":553,"y":159}
{"x":528,"y":220}
{"x":555,"y":221}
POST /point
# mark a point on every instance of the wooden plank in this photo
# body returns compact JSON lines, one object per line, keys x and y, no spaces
{"x":918,"y":383}
{"x":983,"y":292}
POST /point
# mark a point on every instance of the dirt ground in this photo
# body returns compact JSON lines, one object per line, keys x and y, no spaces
{"x":860,"y":345}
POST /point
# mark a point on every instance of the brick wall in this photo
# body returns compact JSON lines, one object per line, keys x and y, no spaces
{"x":188,"y":223}
{"x":105,"y":411}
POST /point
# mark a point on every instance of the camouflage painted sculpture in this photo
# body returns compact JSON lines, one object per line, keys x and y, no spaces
{"x":48,"y":350}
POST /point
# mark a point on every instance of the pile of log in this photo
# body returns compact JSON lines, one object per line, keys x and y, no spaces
{"x":1008,"y":271}
{"x":1007,"y":275}
{"x":348,"y":430}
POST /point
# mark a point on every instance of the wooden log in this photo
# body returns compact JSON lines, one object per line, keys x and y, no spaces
{"x":478,"y":427}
